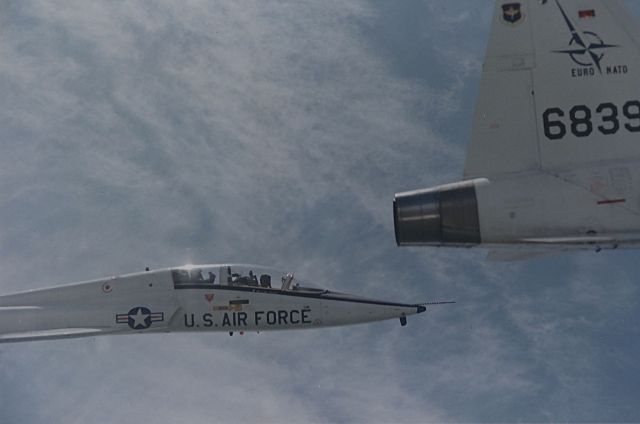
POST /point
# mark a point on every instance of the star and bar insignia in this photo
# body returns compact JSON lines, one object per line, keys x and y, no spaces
{"x":139,"y":318}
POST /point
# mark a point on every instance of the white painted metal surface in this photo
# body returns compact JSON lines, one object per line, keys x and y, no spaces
{"x":191,"y":298}
{"x":556,"y":133}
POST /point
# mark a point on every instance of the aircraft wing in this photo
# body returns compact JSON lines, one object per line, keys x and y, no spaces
{"x":57,"y":333}
{"x":24,"y":323}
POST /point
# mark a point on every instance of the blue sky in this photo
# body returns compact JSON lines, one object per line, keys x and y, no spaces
{"x":141,"y":134}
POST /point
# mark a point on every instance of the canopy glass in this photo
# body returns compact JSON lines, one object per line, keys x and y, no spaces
{"x":237,"y":275}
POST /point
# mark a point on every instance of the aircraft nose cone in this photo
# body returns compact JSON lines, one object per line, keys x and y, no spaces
{"x":421,"y":309}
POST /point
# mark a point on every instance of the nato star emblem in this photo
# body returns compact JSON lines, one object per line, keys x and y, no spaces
{"x":585,"y":47}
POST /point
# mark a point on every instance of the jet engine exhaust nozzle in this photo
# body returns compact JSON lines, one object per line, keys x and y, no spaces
{"x":443,"y":215}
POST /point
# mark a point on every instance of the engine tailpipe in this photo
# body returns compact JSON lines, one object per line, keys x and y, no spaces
{"x":438,"y":216}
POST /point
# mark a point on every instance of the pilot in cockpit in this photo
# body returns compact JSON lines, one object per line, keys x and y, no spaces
{"x":196,"y":275}
{"x":212,"y":277}
{"x":265,"y":281}
{"x":229,"y":278}
{"x":253,"y":280}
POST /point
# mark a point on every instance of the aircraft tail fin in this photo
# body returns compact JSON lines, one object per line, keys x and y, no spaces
{"x":559,"y":88}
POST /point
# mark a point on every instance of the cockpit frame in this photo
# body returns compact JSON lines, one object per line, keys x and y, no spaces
{"x":236,"y":275}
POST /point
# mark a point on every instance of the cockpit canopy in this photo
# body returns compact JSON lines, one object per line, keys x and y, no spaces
{"x":237,"y":275}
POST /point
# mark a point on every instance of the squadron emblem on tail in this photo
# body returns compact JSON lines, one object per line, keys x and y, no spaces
{"x":512,"y":13}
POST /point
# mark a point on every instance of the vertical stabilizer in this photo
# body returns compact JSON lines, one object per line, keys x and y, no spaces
{"x":559,"y":88}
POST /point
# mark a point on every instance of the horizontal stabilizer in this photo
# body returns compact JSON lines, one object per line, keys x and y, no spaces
{"x":509,"y":255}
{"x":569,"y":240}
{"x":547,"y":246}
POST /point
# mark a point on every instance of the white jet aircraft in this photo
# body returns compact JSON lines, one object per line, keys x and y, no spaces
{"x":190,"y":298}
{"x":554,"y":157}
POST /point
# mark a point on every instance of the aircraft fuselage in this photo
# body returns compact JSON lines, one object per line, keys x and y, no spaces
{"x":591,"y":207}
{"x":180,"y":300}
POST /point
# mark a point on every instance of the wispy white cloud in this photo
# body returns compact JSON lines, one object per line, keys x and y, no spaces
{"x":141,"y":134}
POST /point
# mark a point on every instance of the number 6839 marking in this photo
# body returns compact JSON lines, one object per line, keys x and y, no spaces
{"x":581,"y":124}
